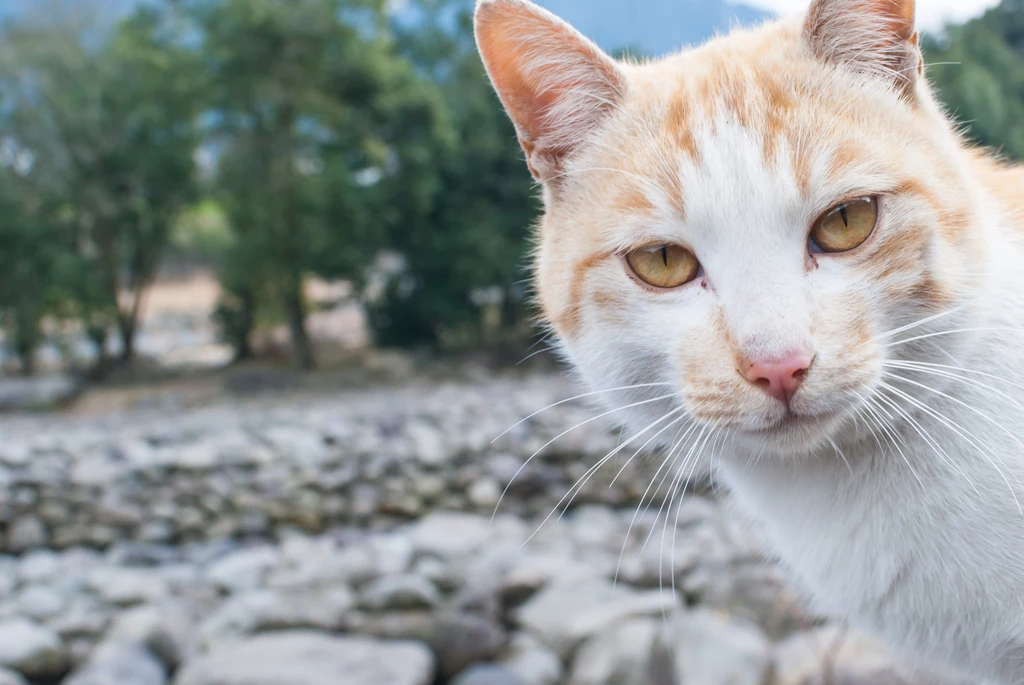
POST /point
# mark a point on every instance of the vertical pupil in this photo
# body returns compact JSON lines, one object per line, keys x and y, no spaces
{"x":842,"y":213}
{"x":664,"y":254}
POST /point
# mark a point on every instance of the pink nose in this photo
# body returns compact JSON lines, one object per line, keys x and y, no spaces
{"x":780,"y":378}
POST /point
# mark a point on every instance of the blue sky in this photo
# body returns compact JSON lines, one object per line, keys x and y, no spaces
{"x":931,"y":13}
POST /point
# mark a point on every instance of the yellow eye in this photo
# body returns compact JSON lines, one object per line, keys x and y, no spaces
{"x":664,"y":266}
{"x":845,"y":226}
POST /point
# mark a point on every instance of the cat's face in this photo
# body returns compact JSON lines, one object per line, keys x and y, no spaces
{"x":749,"y":223}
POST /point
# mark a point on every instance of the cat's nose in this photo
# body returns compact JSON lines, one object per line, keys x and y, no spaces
{"x":780,"y":378}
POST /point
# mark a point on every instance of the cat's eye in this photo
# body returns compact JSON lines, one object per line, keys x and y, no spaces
{"x":664,"y":266}
{"x":845,"y":226}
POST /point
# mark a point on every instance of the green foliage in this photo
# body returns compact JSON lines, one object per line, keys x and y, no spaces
{"x":335,"y":142}
{"x":474,"y":237}
{"x":326,"y":135}
{"x":102,"y":127}
{"x":978,"y":69}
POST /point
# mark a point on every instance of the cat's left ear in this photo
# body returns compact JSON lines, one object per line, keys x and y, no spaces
{"x":876,"y":37}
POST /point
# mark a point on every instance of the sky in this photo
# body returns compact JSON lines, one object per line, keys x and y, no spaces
{"x":931,"y":14}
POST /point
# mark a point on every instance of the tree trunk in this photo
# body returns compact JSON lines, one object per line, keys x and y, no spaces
{"x":246,"y":322}
{"x":295,"y":306}
{"x":127,"y":328}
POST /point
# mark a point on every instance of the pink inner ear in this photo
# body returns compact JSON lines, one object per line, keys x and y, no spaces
{"x":876,"y":35}
{"x":554,"y":83}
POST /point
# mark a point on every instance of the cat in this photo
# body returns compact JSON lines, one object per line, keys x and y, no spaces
{"x":776,"y":254}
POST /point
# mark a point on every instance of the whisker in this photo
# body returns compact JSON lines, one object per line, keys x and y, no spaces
{"x":573,"y":399}
{"x":563,"y":434}
{"x":952,"y":332}
{"x":585,"y":478}
{"x":927,"y":319}
{"x":677,"y":442}
{"x":963,"y":433}
{"x":929,"y":440}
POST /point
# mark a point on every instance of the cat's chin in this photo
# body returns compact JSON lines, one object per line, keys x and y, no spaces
{"x":792,"y":435}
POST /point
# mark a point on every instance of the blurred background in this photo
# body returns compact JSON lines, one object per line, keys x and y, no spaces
{"x":264,"y":306}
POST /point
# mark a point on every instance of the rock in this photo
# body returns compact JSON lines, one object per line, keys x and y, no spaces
{"x":38,"y":566}
{"x":311,"y":659}
{"x":484,"y":493}
{"x":448,"y":535}
{"x":128,"y":587}
{"x":399,"y":593}
{"x":705,"y":647}
{"x":266,"y":610}
{"x":427,"y":443}
{"x":533,"y":572}
{"x":833,"y":655}
{"x":532,"y":662}
{"x":85,"y":618}
{"x":119,"y":663}
{"x":31,"y":649}
{"x":26,"y":533}
{"x":166,"y":630}
{"x":564,"y":615}
{"x":243,"y":570}
{"x":40,"y":603}
{"x":486,"y":674}
{"x":460,"y":640}
{"x":618,"y":656}
{"x":11,"y":678}
{"x":34,"y":394}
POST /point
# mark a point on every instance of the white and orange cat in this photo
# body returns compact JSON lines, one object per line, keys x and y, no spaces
{"x":779,"y":239}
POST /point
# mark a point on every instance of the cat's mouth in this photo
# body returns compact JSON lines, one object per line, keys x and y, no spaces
{"x":794,"y":426}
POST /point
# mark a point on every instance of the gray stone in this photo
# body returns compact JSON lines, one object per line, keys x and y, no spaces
{"x":618,"y":656}
{"x":85,"y":618}
{"x":166,"y":630}
{"x":486,"y":674}
{"x":243,"y":570}
{"x":40,"y":602}
{"x":31,"y":649}
{"x":484,"y":493}
{"x":460,"y":640}
{"x":448,"y":535}
{"x":427,"y":443}
{"x":26,"y":533}
{"x":8,"y":677}
{"x":32,"y":394}
{"x":118,"y":663}
{"x":712,"y":648}
{"x":399,"y":593}
{"x":38,"y":566}
{"x":266,"y":610}
{"x":528,"y":659}
{"x":128,"y":587}
{"x":311,"y":659}
{"x":564,"y":615}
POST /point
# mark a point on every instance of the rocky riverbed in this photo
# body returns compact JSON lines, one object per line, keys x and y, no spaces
{"x":348,"y":540}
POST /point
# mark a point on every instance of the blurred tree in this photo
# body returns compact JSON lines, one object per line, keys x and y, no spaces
{"x":978,"y":69}
{"x":102,"y":128}
{"x":324,"y":135}
{"x":473,"y":240}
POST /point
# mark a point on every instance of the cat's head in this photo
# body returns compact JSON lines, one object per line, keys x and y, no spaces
{"x":749,"y":223}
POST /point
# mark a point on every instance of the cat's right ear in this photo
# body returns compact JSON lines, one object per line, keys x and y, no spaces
{"x":556,"y":85}
{"x":876,"y":37}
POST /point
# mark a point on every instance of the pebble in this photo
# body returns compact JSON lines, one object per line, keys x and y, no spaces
{"x":311,"y":659}
{"x":31,"y":649}
{"x":564,"y":615}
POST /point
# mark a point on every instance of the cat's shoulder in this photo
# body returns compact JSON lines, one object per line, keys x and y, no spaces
{"x":1004,"y":181}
